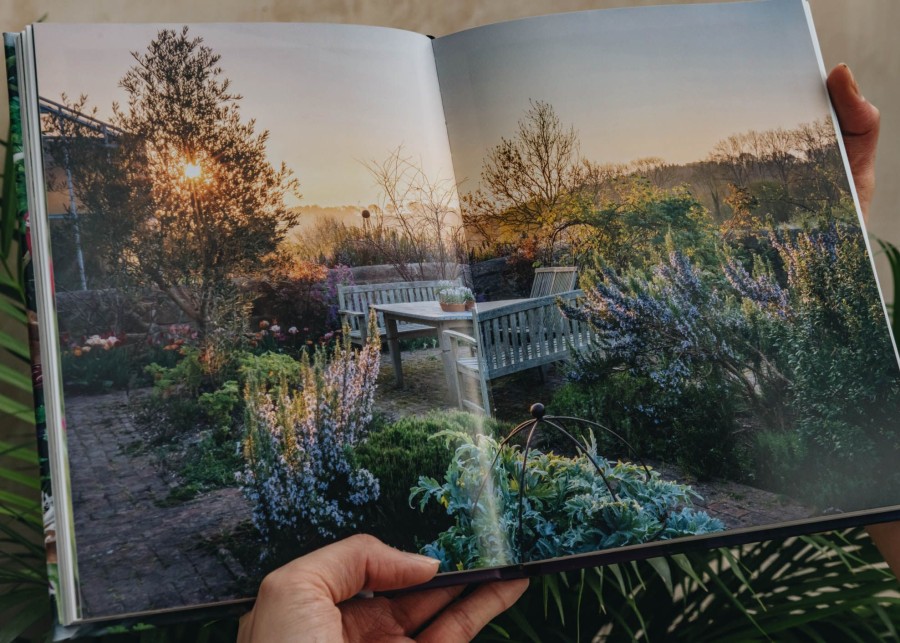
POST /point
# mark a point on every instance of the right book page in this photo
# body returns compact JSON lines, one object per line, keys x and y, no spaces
{"x":668,"y":257}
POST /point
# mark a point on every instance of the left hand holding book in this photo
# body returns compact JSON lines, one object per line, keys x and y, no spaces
{"x":315,"y":598}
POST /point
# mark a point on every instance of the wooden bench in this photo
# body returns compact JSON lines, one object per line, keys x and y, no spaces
{"x":510,"y":339}
{"x":354,"y":302}
{"x":552,"y":281}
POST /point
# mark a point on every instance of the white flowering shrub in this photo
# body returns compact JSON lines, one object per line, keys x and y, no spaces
{"x":296,"y":445}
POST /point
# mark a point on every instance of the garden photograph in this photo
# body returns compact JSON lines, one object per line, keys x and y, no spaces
{"x":287,"y":315}
{"x":735,"y":327}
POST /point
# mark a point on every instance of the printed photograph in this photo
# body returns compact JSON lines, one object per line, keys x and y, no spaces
{"x":226,"y":204}
{"x":636,"y":303}
{"x":716,"y":354}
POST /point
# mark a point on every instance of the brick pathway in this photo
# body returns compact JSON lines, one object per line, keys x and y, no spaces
{"x":132,"y":553}
{"x":135,"y":553}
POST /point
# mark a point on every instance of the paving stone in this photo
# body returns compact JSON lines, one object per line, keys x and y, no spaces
{"x":122,"y":535}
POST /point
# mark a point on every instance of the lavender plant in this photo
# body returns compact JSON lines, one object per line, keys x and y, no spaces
{"x":297,"y":473}
{"x":828,"y":330}
{"x":680,"y":340}
{"x":670,"y":327}
{"x":568,"y":508}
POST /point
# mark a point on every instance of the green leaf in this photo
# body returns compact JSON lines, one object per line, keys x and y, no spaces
{"x":8,"y":215}
{"x":16,"y":409}
{"x":893,"y":256}
{"x":15,"y":312}
{"x":523,"y":624}
{"x":684,"y":563}
{"x":14,"y":377}
{"x":36,"y":608}
{"x":24,"y":479}
{"x":661,"y":566}
{"x":551,"y":588}
{"x":8,"y":499}
{"x":23,"y":452}
{"x":14,"y":346}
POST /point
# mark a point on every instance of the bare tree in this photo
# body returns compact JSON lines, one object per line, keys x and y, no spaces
{"x":529,"y":181}
{"x":656,"y":170}
{"x":418,"y":219}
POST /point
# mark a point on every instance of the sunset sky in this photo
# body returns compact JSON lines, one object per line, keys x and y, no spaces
{"x":330,"y":95}
{"x":657,"y":81}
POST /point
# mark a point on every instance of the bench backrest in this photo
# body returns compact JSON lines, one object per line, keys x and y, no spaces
{"x":552,"y":281}
{"x":359,"y":298}
{"x":529,"y":333}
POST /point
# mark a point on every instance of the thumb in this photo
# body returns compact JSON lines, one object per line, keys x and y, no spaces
{"x":858,"y":117}
{"x":860,"y":122}
{"x":345,"y":568}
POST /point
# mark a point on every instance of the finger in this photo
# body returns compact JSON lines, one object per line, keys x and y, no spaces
{"x":343,"y":569}
{"x":414,"y":610}
{"x":464,"y":619}
{"x":403,"y":615}
{"x":858,"y":117}
{"x":245,"y":628}
{"x":860,"y":123}
{"x":887,"y":538}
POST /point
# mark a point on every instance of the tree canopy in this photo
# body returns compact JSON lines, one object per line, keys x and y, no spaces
{"x":186,"y":200}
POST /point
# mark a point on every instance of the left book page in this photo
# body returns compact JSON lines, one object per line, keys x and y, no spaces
{"x":223,"y":202}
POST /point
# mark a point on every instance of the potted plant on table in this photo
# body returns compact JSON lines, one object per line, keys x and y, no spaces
{"x":456,"y":299}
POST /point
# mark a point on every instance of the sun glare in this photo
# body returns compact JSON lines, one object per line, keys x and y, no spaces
{"x":192,"y":170}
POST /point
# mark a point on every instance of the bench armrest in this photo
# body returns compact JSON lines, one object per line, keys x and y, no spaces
{"x":460,"y":337}
{"x":351,"y":313}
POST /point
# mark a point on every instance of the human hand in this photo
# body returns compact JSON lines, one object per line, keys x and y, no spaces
{"x":860,"y":121}
{"x":313,"y":599}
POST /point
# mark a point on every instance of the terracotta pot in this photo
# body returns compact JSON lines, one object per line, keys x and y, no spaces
{"x":453,"y":308}
{"x":470,"y":305}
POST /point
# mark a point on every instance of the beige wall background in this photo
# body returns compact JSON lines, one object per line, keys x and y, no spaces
{"x":862,"y":33}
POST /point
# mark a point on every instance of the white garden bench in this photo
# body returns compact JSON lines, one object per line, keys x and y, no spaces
{"x":354,"y":302}
{"x":552,"y":281}
{"x":512,"y":338}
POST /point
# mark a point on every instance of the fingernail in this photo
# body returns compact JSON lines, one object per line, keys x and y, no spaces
{"x":853,"y":84}
{"x":422,"y":560}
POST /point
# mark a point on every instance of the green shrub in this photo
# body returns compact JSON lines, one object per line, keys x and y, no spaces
{"x":776,"y":456}
{"x":219,"y":406}
{"x":568,"y":507}
{"x":96,"y":370}
{"x":620,"y":402}
{"x":268,"y":370}
{"x":397,"y":454}
{"x":694,"y":426}
{"x":829,"y":333}
{"x":209,"y":464}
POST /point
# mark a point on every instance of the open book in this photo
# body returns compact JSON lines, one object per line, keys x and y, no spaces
{"x":540,"y":295}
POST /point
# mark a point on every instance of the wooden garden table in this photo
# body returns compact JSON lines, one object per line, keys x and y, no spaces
{"x":430,"y":313}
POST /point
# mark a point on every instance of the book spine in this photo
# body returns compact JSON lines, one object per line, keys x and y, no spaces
{"x":22,"y":238}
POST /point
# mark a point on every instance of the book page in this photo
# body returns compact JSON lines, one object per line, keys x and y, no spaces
{"x":219,"y":200}
{"x":722,"y":361}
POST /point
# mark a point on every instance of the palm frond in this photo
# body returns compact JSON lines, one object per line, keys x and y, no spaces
{"x":801,"y":589}
{"x":893,"y":256}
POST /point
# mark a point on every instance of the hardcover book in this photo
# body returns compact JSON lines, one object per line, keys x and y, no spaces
{"x":536,"y":296}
